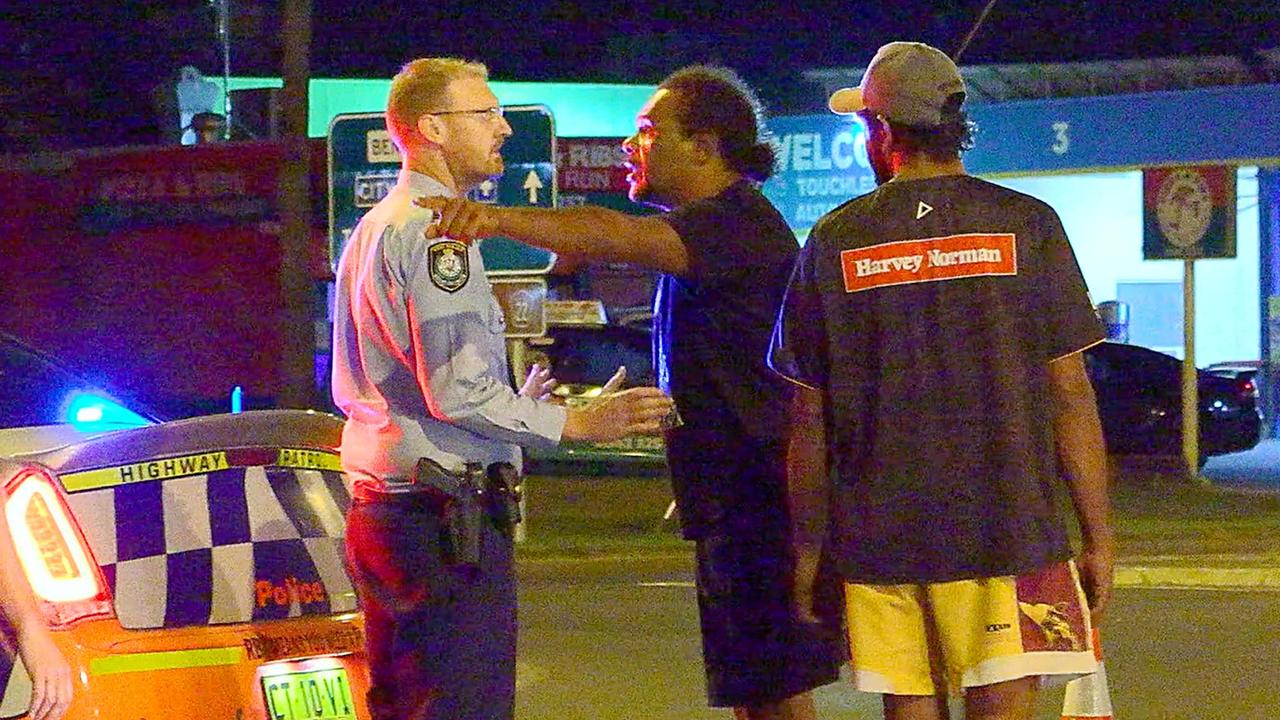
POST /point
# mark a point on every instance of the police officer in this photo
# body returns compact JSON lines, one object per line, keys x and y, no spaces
{"x":433,"y":426}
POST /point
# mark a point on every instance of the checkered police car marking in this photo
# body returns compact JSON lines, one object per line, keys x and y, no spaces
{"x":195,"y":540}
{"x":14,"y":680}
{"x":234,"y":545}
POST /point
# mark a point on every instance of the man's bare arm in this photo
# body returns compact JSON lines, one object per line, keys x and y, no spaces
{"x":808,"y":493}
{"x":1083,"y":456}
{"x":590,"y":232}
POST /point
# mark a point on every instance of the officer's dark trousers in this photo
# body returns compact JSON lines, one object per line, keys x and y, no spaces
{"x":441,"y":640}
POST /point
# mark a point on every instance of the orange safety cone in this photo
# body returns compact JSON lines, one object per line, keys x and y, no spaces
{"x":1088,"y":697}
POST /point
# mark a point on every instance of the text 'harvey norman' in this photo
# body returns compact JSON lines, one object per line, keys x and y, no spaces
{"x":929,"y":260}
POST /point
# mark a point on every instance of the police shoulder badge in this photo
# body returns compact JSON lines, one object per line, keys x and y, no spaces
{"x":450,"y":269}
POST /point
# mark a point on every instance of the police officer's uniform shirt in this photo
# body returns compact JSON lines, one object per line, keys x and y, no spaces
{"x":928,"y":311}
{"x":712,"y":326}
{"x":419,"y":356}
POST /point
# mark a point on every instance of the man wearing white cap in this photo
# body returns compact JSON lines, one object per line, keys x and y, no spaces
{"x":934,"y":330}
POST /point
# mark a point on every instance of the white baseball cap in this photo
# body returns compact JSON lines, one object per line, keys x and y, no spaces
{"x":907,"y":82}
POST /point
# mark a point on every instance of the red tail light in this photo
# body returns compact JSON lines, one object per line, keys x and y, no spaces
{"x":1246,"y":389}
{"x":53,"y":552}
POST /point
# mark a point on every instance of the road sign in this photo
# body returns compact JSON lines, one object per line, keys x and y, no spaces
{"x":528,"y":181}
{"x":364,"y":164}
{"x":1189,"y":212}
{"x":523,"y":301}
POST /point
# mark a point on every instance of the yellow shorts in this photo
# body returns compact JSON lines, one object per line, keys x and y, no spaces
{"x":943,"y":637}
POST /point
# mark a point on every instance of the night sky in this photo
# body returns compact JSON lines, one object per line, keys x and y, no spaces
{"x":91,"y":65}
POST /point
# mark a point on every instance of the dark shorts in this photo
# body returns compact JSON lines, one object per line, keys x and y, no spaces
{"x":441,"y":640}
{"x":754,"y":652}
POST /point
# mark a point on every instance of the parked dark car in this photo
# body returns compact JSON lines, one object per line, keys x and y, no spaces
{"x":1245,"y":372}
{"x":1140,"y":400}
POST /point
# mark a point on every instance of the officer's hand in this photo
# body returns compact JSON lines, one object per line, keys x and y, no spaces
{"x":50,"y":674}
{"x":459,"y":219}
{"x":539,"y":384}
{"x":638,"y":411}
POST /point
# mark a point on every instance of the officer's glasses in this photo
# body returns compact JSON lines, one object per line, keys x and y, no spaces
{"x":489,"y":113}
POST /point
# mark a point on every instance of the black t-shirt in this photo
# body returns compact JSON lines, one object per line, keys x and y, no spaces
{"x":929,"y":311}
{"x":711,"y":333}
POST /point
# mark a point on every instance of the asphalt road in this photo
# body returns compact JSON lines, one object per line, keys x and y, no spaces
{"x":618,"y":639}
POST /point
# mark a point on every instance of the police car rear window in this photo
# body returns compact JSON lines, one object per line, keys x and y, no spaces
{"x":231,"y":545}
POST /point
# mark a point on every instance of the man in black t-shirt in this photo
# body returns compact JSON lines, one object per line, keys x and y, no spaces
{"x":726,"y":253}
{"x":933,"y":329}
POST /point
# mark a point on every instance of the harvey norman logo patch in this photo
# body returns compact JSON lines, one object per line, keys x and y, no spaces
{"x":929,"y":260}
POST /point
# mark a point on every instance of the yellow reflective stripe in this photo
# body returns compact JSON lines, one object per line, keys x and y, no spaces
{"x":308,"y":459}
{"x":171,"y":660}
{"x":163,"y":469}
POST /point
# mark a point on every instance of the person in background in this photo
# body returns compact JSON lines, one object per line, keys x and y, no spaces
{"x":209,"y":127}
{"x":933,"y":330}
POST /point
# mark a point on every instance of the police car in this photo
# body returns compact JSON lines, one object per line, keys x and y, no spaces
{"x":188,"y":569}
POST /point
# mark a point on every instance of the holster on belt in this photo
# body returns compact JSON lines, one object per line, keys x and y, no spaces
{"x":469,"y":496}
{"x":502,"y":495}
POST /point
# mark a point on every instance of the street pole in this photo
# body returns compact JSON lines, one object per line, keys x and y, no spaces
{"x":1190,"y":388}
{"x":297,"y":331}
{"x":224,"y":36}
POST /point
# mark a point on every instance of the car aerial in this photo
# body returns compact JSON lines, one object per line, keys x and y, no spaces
{"x":1139,"y":394}
{"x":191,"y":568}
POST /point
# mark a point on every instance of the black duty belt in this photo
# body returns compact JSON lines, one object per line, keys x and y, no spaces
{"x":463,"y":500}
{"x":425,"y":501}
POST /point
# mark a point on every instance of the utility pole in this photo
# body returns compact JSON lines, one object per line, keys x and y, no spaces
{"x":297,"y":329}
{"x":223,"y":9}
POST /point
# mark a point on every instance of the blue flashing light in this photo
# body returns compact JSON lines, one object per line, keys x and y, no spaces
{"x":89,"y":412}
{"x":237,"y":399}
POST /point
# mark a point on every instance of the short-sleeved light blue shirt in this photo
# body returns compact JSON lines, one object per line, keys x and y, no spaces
{"x":419,"y":357}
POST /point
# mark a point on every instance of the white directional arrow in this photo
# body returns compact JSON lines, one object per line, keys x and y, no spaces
{"x":922,"y":210}
{"x":533,"y":184}
{"x":486,"y":188}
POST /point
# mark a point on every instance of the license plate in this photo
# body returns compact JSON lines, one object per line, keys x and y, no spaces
{"x":312,"y":695}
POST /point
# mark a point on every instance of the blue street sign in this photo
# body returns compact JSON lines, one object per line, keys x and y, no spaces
{"x":364,"y":164}
{"x":528,"y":181}
{"x":822,"y":162}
